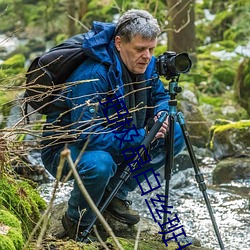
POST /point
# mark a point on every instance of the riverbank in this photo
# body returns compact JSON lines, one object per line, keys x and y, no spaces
{"x":229,"y":202}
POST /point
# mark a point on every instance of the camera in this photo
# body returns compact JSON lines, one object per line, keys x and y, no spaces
{"x":171,"y":65}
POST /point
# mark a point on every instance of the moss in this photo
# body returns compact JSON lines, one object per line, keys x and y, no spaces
{"x":16,"y":61}
{"x":212,"y":100}
{"x":13,"y":239}
{"x":239,"y":128}
{"x":16,"y":237}
{"x":9,"y":219}
{"x":128,"y":244}
{"x":22,"y":200}
{"x":6,"y":243}
{"x":225,"y":75}
{"x":229,"y":45}
{"x":234,"y":125}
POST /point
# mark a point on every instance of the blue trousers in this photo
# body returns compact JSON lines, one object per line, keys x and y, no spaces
{"x":99,"y":170}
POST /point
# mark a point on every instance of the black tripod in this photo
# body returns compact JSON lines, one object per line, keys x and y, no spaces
{"x":127,"y":171}
{"x":173,"y":90}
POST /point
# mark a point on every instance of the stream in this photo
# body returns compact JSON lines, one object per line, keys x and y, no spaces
{"x":230,"y":204}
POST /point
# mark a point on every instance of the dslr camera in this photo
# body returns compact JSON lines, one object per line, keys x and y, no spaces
{"x":171,"y":65}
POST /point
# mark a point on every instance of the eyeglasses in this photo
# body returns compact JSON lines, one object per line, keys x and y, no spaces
{"x":124,"y":24}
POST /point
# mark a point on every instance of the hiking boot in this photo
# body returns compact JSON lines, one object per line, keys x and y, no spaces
{"x":120,"y":210}
{"x":75,"y":231}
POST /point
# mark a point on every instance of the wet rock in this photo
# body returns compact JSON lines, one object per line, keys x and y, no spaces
{"x":231,"y":169}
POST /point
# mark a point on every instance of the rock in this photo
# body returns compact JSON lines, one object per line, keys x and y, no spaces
{"x":231,"y":169}
{"x":148,"y":238}
{"x":197,"y":125}
{"x":232,"y":139}
{"x":181,"y":179}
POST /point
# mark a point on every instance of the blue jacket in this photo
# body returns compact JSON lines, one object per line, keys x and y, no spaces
{"x":86,"y":118}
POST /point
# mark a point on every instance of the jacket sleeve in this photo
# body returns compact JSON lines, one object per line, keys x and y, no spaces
{"x":88,"y":121}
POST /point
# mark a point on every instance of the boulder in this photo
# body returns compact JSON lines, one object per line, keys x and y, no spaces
{"x":197,"y":125}
{"x":231,"y":139}
{"x":231,"y":169}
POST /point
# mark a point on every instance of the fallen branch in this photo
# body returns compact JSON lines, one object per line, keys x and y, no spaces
{"x":66,"y":154}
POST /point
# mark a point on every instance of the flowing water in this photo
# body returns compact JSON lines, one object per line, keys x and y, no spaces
{"x":230,"y":204}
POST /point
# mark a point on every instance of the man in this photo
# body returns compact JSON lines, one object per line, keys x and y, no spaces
{"x":123,"y":86}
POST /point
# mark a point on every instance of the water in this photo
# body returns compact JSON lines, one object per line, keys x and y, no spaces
{"x":230,"y":204}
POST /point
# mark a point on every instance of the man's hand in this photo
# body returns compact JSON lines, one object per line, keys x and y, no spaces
{"x":164,"y":128}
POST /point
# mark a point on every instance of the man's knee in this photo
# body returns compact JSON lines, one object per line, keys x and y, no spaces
{"x":97,"y":164}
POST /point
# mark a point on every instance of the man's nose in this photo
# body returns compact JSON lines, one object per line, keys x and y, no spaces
{"x":146,"y":54}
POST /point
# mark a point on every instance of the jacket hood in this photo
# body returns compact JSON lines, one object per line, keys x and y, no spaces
{"x":98,"y":43}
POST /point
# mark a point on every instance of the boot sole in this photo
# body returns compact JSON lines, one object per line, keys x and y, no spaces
{"x":121,"y":219}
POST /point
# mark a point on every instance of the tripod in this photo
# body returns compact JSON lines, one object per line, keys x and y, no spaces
{"x":173,"y":114}
{"x":127,"y":171}
{"x":173,"y":90}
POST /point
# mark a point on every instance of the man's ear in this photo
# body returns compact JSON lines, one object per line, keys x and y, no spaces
{"x":118,"y":43}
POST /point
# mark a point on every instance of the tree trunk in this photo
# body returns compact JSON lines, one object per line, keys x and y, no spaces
{"x":71,"y":6}
{"x":83,"y":7}
{"x":181,"y":27}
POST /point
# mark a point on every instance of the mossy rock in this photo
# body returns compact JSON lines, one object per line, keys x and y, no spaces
{"x":219,"y":107}
{"x":231,"y":139}
{"x":11,"y":237}
{"x":21,"y":199}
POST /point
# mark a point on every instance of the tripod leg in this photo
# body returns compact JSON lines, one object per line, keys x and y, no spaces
{"x":199,"y":177}
{"x":169,"y":163}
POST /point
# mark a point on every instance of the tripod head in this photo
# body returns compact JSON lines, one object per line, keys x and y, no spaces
{"x":174,"y":89}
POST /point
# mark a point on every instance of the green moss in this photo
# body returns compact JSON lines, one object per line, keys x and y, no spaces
{"x":9,"y":219}
{"x":6,"y":243}
{"x":235,"y":125}
{"x":13,"y":239}
{"x":16,"y":61}
{"x":13,"y":71}
{"x":212,"y":100}
{"x":239,"y":128}
{"x":128,"y":244}
{"x":228,"y":45}
{"x":21,"y":199}
{"x":225,"y":75}
{"x":16,"y":237}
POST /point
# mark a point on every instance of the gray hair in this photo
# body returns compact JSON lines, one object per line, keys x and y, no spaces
{"x":137,"y":22}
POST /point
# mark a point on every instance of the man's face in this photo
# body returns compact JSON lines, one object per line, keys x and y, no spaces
{"x":137,"y":53}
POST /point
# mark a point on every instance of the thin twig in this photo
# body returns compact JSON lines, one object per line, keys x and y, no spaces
{"x":137,"y":236}
{"x":66,"y":154}
{"x":99,"y":238}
